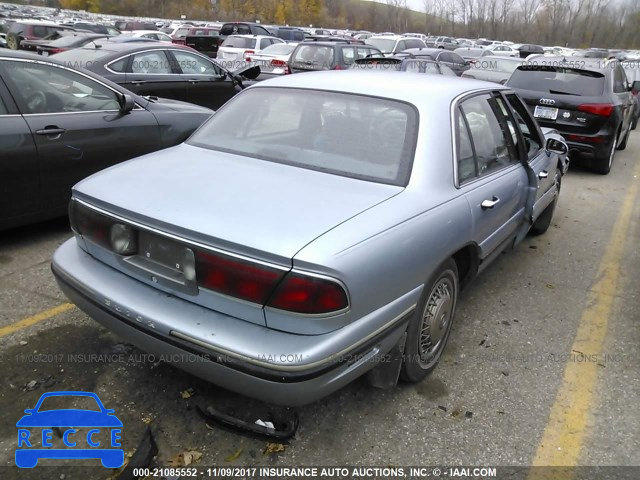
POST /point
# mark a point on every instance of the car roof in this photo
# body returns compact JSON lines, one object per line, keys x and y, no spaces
{"x":126,"y":47}
{"x":407,"y":87}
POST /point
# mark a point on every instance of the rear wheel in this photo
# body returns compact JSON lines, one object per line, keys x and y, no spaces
{"x":623,"y":144}
{"x":429,"y":330}
{"x":602,"y":165}
{"x":12,"y":42}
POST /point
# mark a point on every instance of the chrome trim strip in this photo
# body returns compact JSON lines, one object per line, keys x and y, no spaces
{"x":179,"y":238}
{"x":292,"y":368}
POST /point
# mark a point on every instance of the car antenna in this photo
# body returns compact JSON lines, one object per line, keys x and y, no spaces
{"x":97,"y":45}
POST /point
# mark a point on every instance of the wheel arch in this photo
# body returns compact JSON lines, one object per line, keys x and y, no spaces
{"x":467,"y":260}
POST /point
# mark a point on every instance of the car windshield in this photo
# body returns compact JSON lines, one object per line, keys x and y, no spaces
{"x":279,"y":49}
{"x":350,"y":135}
{"x":558,"y":80}
{"x":239,"y":42}
{"x":66,"y":402}
{"x":385,"y":45}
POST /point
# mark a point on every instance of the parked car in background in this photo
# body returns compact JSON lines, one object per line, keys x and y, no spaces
{"x":203,"y":39}
{"x":392,"y":44}
{"x":236,"y":48}
{"x":632,"y":72}
{"x":528,"y":49}
{"x":493,"y":69}
{"x":163,"y":70}
{"x":288,"y":34}
{"x":589,"y":102}
{"x":344,"y":156}
{"x":150,"y":34}
{"x":504,"y":50}
{"x":23,"y":32}
{"x":59,"y":125}
{"x":451,"y":59}
{"x":95,"y":28}
{"x":403,"y":63}
{"x":447,"y":43}
{"x":313,"y":56}
{"x":68,"y":42}
{"x":421,"y":36}
{"x":274,"y":59}
{"x":128,"y":25}
{"x":472,"y":54}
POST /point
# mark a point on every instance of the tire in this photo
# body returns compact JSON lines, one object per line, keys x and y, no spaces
{"x":13,"y":42}
{"x":602,"y":165}
{"x":623,"y":144}
{"x":543,"y":222}
{"x":438,"y":303}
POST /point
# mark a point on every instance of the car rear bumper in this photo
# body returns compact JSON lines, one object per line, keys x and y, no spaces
{"x":277,"y":371}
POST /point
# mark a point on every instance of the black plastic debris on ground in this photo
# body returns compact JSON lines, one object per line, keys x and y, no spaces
{"x":285,"y":423}
{"x":142,"y":457}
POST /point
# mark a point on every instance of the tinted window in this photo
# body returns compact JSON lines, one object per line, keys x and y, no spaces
{"x":558,"y":80}
{"x":232,"y":28}
{"x":348,"y":55}
{"x":619,"y":80}
{"x":49,"y":89}
{"x":150,"y":63}
{"x":318,"y":55}
{"x":385,"y":45}
{"x":181,"y":32}
{"x":455,"y":58}
{"x":344,"y":134}
{"x":464,"y":150}
{"x":3,"y":108}
{"x":261,"y":31}
{"x":119,"y":66}
{"x":445,"y":57}
{"x":195,"y":65}
{"x":490,"y":137}
{"x":239,"y":42}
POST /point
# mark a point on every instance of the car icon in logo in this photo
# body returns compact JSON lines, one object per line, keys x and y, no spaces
{"x":68,"y":421}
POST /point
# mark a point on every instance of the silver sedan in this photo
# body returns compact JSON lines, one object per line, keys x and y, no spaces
{"x":316,"y":228}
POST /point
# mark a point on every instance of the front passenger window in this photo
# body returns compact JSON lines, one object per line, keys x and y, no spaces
{"x":195,"y":65}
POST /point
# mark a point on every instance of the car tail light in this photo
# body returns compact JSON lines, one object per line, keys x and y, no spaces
{"x":581,"y":138}
{"x":53,"y":51}
{"x":600,"y":109}
{"x":235,"y":277}
{"x":337,"y":67}
{"x":309,"y":295}
{"x":278,"y":63}
{"x":102,"y":230}
{"x":248,"y":52}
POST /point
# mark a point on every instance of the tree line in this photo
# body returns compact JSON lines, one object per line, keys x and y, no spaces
{"x":574,"y":23}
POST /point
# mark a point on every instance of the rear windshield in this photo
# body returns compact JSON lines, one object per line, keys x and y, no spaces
{"x":68,"y":41}
{"x":318,"y":55}
{"x":279,"y":49}
{"x":343,"y":134}
{"x":181,"y":32}
{"x":377,"y":64}
{"x":558,"y":80}
{"x":204,"y":32}
{"x":385,"y":45}
{"x":239,"y":42}
{"x":230,"y":29}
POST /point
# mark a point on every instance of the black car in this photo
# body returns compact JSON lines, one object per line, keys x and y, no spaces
{"x":162,"y":69}
{"x":314,"y":56}
{"x":451,"y":59}
{"x":403,"y":63}
{"x":588,"y":101}
{"x":59,"y":125}
{"x":288,"y":34}
{"x":528,"y":49}
{"x":68,"y":42}
{"x":241,"y":28}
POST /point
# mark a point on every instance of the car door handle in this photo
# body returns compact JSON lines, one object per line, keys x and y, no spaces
{"x":192,"y":81}
{"x":138,"y":82}
{"x":50,"y":130}
{"x":490,"y":203}
{"x":543,"y":174}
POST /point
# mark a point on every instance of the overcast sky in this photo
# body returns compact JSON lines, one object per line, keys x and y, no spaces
{"x":414,"y":4}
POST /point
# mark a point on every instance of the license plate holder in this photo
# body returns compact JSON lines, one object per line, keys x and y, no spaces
{"x":546,"y":113}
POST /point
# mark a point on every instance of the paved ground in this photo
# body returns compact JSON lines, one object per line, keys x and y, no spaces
{"x":542,"y":369}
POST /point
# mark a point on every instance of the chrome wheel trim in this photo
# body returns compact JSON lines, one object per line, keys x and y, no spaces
{"x":436,"y":322}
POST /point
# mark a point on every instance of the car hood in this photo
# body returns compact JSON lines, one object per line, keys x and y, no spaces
{"x":69,"y":418}
{"x":237,"y":203}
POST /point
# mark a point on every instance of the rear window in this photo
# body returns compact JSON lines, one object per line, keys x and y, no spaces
{"x":350,"y":135}
{"x":239,"y":42}
{"x":378,"y":64}
{"x":181,"y":32}
{"x":385,"y":45}
{"x":317,"y":55}
{"x":558,"y":80}
{"x":67,"y":41}
{"x":234,"y":28}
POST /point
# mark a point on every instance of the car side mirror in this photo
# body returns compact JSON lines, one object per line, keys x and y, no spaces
{"x":126,"y":103}
{"x":635,"y":86}
{"x":553,"y":145}
{"x":29,"y":411}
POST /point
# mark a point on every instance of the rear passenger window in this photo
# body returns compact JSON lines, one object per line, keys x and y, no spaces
{"x":348,"y":54}
{"x":490,"y":136}
{"x":118,"y":66}
{"x":3,"y":108}
{"x":150,"y":63}
{"x":464,"y":150}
